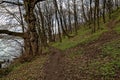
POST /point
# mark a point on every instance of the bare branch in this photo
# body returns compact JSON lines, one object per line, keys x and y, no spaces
{"x":12,"y":33}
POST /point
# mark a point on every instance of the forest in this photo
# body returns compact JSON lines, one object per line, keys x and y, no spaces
{"x":60,"y":39}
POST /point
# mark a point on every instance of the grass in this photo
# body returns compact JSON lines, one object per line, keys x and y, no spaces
{"x":102,"y":69}
{"x":109,"y":61}
{"x":117,"y":28}
{"x":112,"y":49}
{"x":84,"y":36}
{"x":116,"y":14}
{"x":68,"y":43}
{"x":117,"y":18}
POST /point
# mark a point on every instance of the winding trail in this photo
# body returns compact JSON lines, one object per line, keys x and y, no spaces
{"x":54,"y":67}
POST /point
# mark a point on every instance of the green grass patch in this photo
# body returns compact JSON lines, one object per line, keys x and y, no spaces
{"x":109,"y":62}
{"x":117,"y":28}
{"x":68,"y":43}
{"x":117,"y":18}
{"x":112,"y":49}
{"x":103,"y":69}
{"x":116,"y":14}
{"x":84,"y":36}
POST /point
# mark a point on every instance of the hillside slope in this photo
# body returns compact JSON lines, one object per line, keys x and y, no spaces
{"x":84,"y":57}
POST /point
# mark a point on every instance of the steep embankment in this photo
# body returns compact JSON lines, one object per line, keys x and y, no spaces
{"x":84,"y":57}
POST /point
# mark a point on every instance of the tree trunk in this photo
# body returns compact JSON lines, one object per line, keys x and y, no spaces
{"x":31,"y":39}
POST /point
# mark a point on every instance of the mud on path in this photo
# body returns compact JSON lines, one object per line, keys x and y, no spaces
{"x":55,"y":67}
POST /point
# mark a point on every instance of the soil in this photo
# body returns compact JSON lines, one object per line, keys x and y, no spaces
{"x":53,"y":68}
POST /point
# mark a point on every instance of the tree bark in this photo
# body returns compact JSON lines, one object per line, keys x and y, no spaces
{"x":31,"y":41}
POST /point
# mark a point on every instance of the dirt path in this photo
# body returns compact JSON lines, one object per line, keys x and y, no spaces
{"x":91,"y":51}
{"x":93,"y":48}
{"x":54,"y":68}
